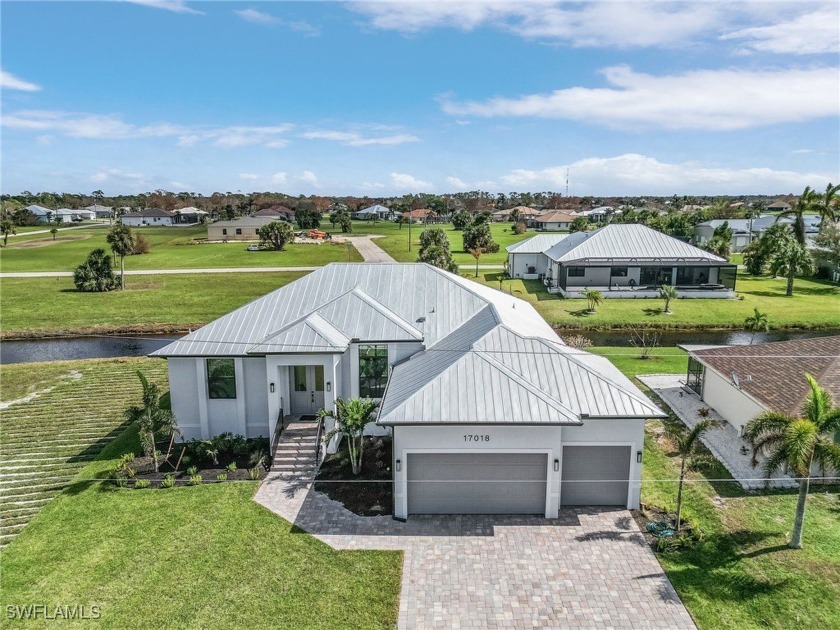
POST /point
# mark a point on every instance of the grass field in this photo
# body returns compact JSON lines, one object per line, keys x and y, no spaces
{"x":190,"y":557}
{"x":75,"y":410}
{"x":163,"y":303}
{"x":742,"y":575}
{"x":171,"y":248}
{"x":395,"y":240}
{"x":814,"y":305}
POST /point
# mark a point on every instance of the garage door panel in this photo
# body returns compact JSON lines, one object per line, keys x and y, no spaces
{"x":476,"y":483}
{"x":594,"y":475}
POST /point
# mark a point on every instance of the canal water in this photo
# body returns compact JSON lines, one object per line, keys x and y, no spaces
{"x":93,"y":347}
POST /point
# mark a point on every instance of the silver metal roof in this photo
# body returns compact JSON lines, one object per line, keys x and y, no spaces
{"x":627,"y":241}
{"x":536,"y":244}
{"x":489,"y":357}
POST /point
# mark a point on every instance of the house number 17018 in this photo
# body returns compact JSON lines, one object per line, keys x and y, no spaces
{"x":476,"y":438}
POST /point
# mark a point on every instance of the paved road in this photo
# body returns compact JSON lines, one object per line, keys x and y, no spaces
{"x":369,"y":250}
{"x":47,"y":231}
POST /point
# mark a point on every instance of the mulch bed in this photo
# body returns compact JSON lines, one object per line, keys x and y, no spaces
{"x":369,"y":493}
{"x":652,"y":513}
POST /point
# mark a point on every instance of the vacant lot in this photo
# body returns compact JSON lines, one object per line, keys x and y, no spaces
{"x":395,"y":240}
{"x":814,"y":305}
{"x":149,"y":303}
{"x":59,"y":417}
{"x":191,"y":557}
{"x":171,"y":248}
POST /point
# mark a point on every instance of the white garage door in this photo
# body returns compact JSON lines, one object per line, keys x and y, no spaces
{"x":476,"y":483}
{"x":595,"y":475}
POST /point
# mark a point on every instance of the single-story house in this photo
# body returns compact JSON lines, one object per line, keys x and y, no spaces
{"x":377,"y":211}
{"x":79,"y":213}
{"x":601,"y":213}
{"x":242,"y":229}
{"x":278,"y":213}
{"x":633,"y":260}
{"x":101,"y":212}
{"x":525,"y":258}
{"x":740,"y":382}
{"x":44,"y":215}
{"x":148,"y":216}
{"x":188,"y":216}
{"x":422,"y":215}
{"x":779,"y":205}
{"x":553,"y":220}
{"x":745,"y":231}
{"x":489,"y":411}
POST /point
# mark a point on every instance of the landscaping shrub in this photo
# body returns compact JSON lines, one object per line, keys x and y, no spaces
{"x":168,"y":482}
{"x":141,"y":484}
{"x":195,"y":480}
{"x":141,"y":245}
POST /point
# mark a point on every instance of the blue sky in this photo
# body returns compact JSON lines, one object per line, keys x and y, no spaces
{"x":385,"y":98}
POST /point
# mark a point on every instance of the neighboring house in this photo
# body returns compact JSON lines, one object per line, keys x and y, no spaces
{"x":553,"y":220}
{"x":422,"y":215}
{"x":499,"y":216}
{"x":44,"y":215}
{"x":278,"y":213}
{"x":525,"y":258}
{"x":84,"y":214}
{"x":244,"y":229}
{"x":377,"y":211}
{"x":780,"y":205}
{"x":188,"y":216}
{"x":489,"y":410}
{"x":601,"y":213}
{"x":745,"y":231}
{"x":632,"y":260}
{"x":148,"y":217}
{"x":101,"y":212}
{"x":740,"y":382}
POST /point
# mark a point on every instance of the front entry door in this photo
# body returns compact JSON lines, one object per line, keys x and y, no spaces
{"x":307,"y":389}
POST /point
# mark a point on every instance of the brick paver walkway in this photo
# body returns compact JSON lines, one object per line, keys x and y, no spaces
{"x":591,"y":568}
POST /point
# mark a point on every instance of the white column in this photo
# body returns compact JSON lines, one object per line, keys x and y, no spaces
{"x":201,"y":382}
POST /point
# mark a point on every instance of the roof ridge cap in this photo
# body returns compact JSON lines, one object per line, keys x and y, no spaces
{"x":383,"y":309}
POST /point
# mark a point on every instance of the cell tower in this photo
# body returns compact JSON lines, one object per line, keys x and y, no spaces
{"x":567,"y":181}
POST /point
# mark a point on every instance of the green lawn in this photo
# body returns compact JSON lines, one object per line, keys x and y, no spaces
{"x":395,"y":240}
{"x":814,"y":305}
{"x":742,"y":575}
{"x":149,"y":303}
{"x":190,"y":557}
{"x":171,"y":248}
{"x":75,"y":412}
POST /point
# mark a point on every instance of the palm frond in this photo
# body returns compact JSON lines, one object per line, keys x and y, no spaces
{"x":775,"y":462}
{"x":765,"y":445}
{"x":800,"y":438}
{"x":766,"y":423}
{"x":818,"y":401}
{"x":700,"y":463}
{"x":830,"y":422}
{"x":827,"y":454}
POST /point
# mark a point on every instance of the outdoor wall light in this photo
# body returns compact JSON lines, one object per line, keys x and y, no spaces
{"x":329,"y":386}
{"x":638,"y":457}
{"x":398,"y":465}
{"x":271,"y":387}
{"x":556,"y":465}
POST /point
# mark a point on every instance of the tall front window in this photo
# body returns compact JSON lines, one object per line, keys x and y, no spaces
{"x":373,"y":371}
{"x":221,"y":378}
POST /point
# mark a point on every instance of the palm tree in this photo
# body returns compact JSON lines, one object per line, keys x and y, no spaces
{"x":6,"y":228}
{"x":827,"y":207}
{"x":687,"y":443}
{"x":593,"y":299}
{"x":121,"y":240}
{"x":789,"y":259}
{"x":806,"y":204}
{"x":667,"y":293}
{"x":476,"y":253}
{"x":757,"y":322}
{"x":351,"y":417}
{"x":795,"y":443}
{"x":151,"y":418}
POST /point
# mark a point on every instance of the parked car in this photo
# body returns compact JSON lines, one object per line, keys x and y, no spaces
{"x":253,"y":248}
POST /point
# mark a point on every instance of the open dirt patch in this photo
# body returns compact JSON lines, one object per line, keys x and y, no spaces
{"x":47,"y":241}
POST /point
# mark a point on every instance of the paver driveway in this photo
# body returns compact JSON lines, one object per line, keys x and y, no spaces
{"x":590,"y":568}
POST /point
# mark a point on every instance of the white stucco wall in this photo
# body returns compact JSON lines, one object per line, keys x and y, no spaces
{"x":519,"y":263}
{"x":150,"y":221}
{"x":734,"y":405}
{"x":184,"y":395}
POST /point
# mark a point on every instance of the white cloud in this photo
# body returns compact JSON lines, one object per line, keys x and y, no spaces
{"x":802,"y":151}
{"x":257,"y":17}
{"x":110,"y":174}
{"x":8,"y":81}
{"x":45,"y":140}
{"x":112,"y":127}
{"x":601,"y":24}
{"x":699,"y":99}
{"x":409,"y":183}
{"x":372,"y":185}
{"x":354,"y":139}
{"x":176,"y":6}
{"x":457,"y":183}
{"x":308,"y":177}
{"x":634,"y":174}
{"x":810,"y":33}
{"x":279,"y":178}
{"x":249,"y":176}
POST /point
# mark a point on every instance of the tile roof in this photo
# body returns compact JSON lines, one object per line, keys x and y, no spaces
{"x":555,"y":216}
{"x":773,"y":373}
